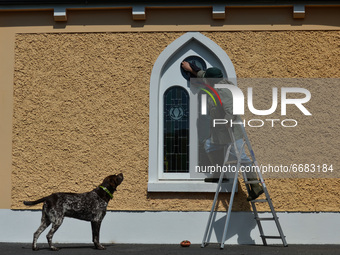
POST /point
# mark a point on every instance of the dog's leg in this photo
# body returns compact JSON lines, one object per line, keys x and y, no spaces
{"x":55,"y":226}
{"x":95,"y":234}
{"x":45,"y":222}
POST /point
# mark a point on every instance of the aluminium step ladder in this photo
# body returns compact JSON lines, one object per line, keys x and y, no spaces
{"x":247,"y":183}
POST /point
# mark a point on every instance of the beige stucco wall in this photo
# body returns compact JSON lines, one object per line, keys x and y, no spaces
{"x":81,"y":105}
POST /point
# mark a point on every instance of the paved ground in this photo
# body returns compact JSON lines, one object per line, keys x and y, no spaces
{"x":150,"y":249}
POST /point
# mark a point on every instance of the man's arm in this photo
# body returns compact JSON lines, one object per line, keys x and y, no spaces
{"x":195,"y":72}
{"x":227,"y":102}
{"x":186,"y":66}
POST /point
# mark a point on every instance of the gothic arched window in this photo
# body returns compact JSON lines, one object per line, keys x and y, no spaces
{"x":174,"y":146}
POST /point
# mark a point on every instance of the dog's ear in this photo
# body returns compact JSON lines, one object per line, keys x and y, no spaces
{"x":119,"y":178}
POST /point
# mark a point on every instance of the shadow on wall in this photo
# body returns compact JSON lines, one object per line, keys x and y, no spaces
{"x":239,"y":226}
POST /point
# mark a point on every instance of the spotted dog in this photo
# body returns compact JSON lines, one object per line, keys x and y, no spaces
{"x":89,"y":206}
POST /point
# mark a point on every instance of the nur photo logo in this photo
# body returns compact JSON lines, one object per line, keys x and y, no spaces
{"x":213,"y":90}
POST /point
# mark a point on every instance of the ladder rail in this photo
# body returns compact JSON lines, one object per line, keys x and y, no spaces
{"x":238,"y":155}
{"x":278,"y":225}
{"x":229,"y":211}
{"x":218,"y":188}
{"x":209,"y":223}
{"x":255,"y":212}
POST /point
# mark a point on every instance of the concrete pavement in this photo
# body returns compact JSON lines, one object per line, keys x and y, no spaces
{"x":166,"y":249}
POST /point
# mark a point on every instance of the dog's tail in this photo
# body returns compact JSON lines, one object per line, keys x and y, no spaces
{"x":35,"y":202}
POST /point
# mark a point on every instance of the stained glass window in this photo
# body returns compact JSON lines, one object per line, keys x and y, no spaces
{"x":176,"y":130}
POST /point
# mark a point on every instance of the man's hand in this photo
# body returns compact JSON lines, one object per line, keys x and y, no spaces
{"x":186,"y":66}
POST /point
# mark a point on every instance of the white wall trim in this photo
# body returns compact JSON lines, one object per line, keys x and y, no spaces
{"x":173,"y":227}
{"x":188,"y":186}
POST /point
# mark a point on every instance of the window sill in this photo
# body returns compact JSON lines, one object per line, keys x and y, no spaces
{"x":187,"y":186}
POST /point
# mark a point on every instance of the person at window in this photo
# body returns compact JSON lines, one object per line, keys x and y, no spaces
{"x":219,"y":138}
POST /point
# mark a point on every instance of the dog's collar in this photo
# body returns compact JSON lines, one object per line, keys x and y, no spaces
{"x":107,"y":191}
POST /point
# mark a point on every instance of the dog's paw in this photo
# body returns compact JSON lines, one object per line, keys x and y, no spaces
{"x":53,"y":248}
{"x":35,"y":248}
{"x":100,"y":247}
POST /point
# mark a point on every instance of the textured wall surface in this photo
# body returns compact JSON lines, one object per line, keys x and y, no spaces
{"x":81,"y":104}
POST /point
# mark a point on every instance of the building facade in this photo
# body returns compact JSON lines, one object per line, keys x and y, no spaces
{"x":83,"y":86}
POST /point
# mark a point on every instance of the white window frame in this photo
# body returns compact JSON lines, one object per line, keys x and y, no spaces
{"x":191,"y":43}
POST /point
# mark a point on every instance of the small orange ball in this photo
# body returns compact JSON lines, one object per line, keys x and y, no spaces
{"x":185,"y":243}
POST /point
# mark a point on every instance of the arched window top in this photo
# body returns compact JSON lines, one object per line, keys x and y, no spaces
{"x":189,"y":44}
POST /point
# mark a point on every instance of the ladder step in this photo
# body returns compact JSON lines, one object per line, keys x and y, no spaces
{"x":224,"y":180}
{"x":271,"y":237}
{"x":264,"y":218}
{"x":242,"y":162}
{"x":252,"y":182}
{"x":259,"y":201}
